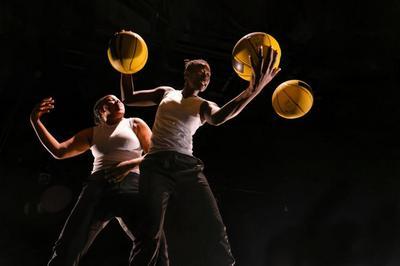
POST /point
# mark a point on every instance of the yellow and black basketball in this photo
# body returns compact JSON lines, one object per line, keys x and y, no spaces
{"x":127,"y":52}
{"x":249,"y":45}
{"x":292,"y":99}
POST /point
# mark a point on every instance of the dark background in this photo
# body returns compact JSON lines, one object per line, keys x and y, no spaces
{"x":318,"y":190}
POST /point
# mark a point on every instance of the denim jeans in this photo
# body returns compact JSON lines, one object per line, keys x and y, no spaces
{"x":98,"y":203}
{"x":178,"y":179}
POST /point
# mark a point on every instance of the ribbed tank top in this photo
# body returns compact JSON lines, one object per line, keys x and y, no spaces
{"x":114,"y":144}
{"x":176,"y":121}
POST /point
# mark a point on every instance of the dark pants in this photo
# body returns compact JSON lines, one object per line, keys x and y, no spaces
{"x":98,"y":203}
{"x":178,"y":178}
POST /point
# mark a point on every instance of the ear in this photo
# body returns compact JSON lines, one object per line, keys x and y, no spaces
{"x":103,"y":109}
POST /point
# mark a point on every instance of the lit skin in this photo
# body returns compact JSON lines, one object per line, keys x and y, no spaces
{"x":196,"y":81}
{"x":112,"y":111}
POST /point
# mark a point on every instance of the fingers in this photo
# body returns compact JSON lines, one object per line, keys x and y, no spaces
{"x":274,"y":58}
{"x":46,"y":105}
{"x":114,"y":176}
{"x":260,"y":55}
{"x":48,"y":100}
{"x":276,"y":71}
{"x":257,"y":66}
{"x":266,"y":51}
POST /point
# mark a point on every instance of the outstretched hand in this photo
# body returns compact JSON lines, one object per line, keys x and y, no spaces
{"x":263,"y":70}
{"x":45,"y":106}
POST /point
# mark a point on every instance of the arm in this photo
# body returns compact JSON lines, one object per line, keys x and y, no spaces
{"x":142,"y":97}
{"x":120,"y":171}
{"x":214,"y":115}
{"x":143,"y":132}
{"x":74,"y":146}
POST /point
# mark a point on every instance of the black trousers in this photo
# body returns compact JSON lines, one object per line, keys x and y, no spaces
{"x":196,"y":234}
{"x":98,"y":203}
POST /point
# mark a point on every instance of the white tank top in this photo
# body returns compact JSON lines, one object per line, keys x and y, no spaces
{"x":176,"y":121}
{"x":114,"y":144}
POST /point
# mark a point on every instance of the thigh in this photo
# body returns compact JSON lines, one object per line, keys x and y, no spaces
{"x":155,"y":187}
{"x":129,"y":211}
{"x":197,"y":209}
{"x":84,"y":210}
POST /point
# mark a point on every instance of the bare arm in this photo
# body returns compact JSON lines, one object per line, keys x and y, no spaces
{"x":74,"y":146}
{"x":214,"y":115}
{"x":142,"y":97}
{"x":143,"y":132}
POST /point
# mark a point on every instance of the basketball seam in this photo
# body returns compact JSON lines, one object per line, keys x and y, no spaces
{"x":134,"y":51}
{"x":119,"y":49}
{"x":293,"y":101}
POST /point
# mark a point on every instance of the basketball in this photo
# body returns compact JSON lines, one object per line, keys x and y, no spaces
{"x":292,"y":99}
{"x":127,"y":52}
{"x":249,"y":46}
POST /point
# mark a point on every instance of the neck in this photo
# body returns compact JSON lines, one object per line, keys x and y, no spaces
{"x":188,"y":92}
{"x":113,"y":120}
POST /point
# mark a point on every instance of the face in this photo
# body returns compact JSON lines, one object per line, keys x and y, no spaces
{"x":113,"y":105}
{"x":198,"y":77}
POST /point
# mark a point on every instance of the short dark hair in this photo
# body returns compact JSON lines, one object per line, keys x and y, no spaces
{"x":190,"y":63}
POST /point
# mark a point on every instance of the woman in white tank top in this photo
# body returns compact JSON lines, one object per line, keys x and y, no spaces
{"x":171,"y":171}
{"x":111,"y":191}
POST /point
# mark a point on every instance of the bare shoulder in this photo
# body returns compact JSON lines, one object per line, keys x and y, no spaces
{"x":86,"y":135}
{"x":207,"y":108}
{"x":138,"y":121}
{"x":208,"y":105}
{"x":139,"y":124}
{"x":140,"y":127}
{"x":86,"y":132}
{"x":160,"y":92}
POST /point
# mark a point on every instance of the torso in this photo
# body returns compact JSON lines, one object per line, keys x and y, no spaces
{"x":176,"y":122}
{"x":112,"y":144}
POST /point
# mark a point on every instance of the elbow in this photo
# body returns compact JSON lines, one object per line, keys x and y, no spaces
{"x":59,"y":155}
{"x":127,"y":101}
{"x":215,"y":121}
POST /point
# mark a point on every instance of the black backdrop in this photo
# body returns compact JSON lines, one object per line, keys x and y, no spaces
{"x":319,"y":190}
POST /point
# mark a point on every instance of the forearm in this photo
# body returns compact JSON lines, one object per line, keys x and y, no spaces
{"x":134,"y":162}
{"x":126,"y":87}
{"x":46,"y":138}
{"x":126,"y":166}
{"x":234,"y":107}
{"x":131,"y":97}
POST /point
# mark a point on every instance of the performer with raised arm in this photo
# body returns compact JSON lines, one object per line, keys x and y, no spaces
{"x":170,"y":167}
{"x":118,"y":145}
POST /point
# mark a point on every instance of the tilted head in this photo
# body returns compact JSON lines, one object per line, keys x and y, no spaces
{"x":197,"y":74}
{"x":108,"y":108}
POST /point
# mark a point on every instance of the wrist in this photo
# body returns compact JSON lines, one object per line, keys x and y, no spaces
{"x":34,"y":118}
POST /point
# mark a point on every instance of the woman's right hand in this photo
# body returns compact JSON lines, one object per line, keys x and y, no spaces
{"x":45,"y":106}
